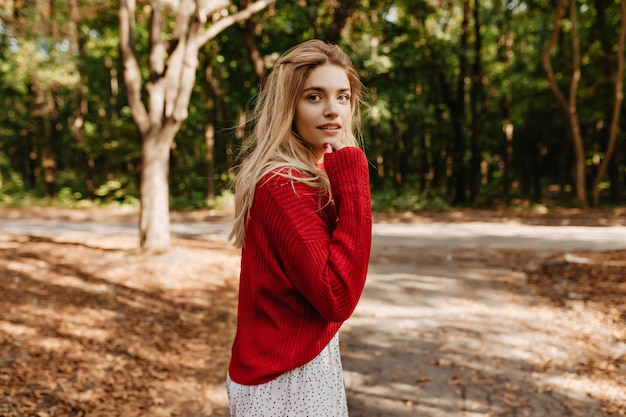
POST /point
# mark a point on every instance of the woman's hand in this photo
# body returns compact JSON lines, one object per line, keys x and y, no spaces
{"x":330,"y":148}
{"x":335,"y":146}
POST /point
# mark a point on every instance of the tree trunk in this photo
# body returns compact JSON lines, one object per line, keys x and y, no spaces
{"x":439,"y":145}
{"x":77,"y":120}
{"x":248,"y":31}
{"x":209,"y":134}
{"x":340,"y":18}
{"x":615,"y":175}
{"x":457,"y":113}
{"x":209,"y":141}
{"x":455,"y":166}
{"x":618,"y":82}
{"x":215,"y":110}
{"x":154,"y":193}
{"x":580,"y":165}
{"x":45,"y":114}
{"x":172,"y":69}
{"x":505,"y":56}
{"x":379,"y":179}
{"x":570,"y":103}
{"x":475,"y":105}
{"x":398,"y":177}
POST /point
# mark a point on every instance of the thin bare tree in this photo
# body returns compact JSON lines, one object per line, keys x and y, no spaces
{"x":569,"y":103}
{"x":171,"y":75}
{"x":618,"y":83}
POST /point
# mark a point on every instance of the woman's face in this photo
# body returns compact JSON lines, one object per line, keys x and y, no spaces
{"x":323,"y":111}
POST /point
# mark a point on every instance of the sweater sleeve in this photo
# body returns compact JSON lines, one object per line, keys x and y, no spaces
{"x":327,"y":268}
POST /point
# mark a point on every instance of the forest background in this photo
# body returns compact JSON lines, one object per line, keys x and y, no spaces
{"x":470,"y":103}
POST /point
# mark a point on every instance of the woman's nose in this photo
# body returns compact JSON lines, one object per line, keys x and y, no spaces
{"x":331,"y":109}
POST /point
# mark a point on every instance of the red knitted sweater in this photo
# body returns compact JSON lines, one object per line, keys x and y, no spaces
{"x":303,"y":268}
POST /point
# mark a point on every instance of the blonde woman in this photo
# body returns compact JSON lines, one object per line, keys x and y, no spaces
{"x":304,"y":223}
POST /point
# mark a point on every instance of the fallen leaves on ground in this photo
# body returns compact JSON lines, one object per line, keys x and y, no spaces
{"x":595,"y":280}
{"x":93,"y":328}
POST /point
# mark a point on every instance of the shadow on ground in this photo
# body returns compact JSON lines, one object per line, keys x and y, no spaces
{"x":83,"y":334}
{"x":462,"y":334}
{"x":92,"y":327}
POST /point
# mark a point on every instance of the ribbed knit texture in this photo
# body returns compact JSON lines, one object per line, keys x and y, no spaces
{"x":303,"y":268}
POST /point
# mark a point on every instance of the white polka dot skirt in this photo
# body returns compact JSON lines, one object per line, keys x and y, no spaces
{"x":313,"y":390}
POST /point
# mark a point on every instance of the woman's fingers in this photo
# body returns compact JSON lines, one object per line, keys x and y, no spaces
{"x":335,"y":146}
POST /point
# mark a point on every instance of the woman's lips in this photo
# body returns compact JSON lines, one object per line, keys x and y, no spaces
{"x":330,"y":127}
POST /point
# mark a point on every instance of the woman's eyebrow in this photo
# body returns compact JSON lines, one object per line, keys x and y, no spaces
{"x":322,"y":89}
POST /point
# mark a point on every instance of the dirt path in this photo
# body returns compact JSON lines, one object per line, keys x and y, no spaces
{"x":458,"y":333}
{"x":449,"y":323}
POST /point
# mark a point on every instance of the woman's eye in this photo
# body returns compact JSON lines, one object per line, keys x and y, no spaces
{"x":344,"y":97}
{"x":314,"y":97}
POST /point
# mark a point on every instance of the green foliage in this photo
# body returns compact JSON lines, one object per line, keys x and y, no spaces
{"x":197,"y":200}
{"x":119,"y":191}
{"x":409,"y":56}
{"x":12,"y":188}
{"x":407,"y":201}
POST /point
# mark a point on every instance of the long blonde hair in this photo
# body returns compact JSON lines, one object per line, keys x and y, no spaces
{"x":273,"y":144}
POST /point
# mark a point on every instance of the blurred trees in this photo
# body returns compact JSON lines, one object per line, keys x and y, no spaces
{"x":461,"y":110}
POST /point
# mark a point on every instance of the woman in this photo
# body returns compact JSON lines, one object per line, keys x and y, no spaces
{"x":303,"y":221}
